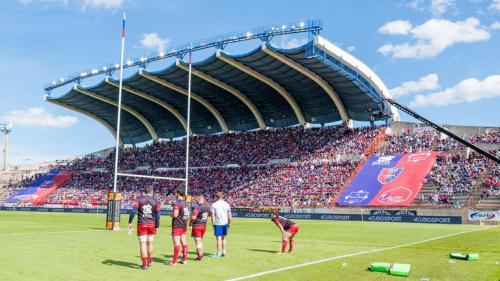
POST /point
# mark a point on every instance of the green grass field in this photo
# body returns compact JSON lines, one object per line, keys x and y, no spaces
{"x":59,"y":246}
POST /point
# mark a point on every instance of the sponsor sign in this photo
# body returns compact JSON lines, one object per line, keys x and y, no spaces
{"x":484,"y":215}
{"x":382,"y":216}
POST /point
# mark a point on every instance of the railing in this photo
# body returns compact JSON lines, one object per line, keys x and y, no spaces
{"x":265,"y":33}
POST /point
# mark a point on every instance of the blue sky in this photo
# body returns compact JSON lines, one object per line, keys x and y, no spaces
{"x":441,"y":56}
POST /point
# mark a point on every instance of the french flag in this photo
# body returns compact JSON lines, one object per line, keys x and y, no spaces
{"x":123,"y":26}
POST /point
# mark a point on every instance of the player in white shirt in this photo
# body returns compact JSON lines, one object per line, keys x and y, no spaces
{"x":221,"y":220}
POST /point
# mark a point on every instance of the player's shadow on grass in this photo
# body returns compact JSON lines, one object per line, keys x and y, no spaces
{"x":121,"y":263}
{"x":189,"y":253}
{"x":262,"y":251}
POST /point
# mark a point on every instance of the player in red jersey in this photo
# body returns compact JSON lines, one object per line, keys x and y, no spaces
{"x":180,"y":217}
{"x":148,"y":221}
{"x":288,"y":230}
{"x":200,"y":214}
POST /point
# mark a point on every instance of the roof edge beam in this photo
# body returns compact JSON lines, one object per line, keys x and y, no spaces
{"x":314,"y":77}
{"x":99,"y":120}
{"x":144,"y":121}
{"x":246,"y":101}
{"x":218,"y":116}
{"x":159,"y":102}
{"x":268,"y":81}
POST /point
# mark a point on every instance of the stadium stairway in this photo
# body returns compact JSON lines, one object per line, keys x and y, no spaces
{"x":4,"y":192}
{"x":491,"y":203}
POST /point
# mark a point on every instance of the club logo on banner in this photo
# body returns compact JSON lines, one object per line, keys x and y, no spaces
{"x":389,"y":174}
{"x":419,"y":156}
{"x":356,"y":197}
{"x":395,"y":195}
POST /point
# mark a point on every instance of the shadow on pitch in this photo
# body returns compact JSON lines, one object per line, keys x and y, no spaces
{"x":262,"y":251}
{"x":121,"y":263}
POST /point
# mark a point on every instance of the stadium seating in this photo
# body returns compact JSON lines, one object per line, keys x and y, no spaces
{"x":282,"y":167}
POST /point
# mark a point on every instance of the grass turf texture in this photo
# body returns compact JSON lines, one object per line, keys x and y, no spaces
{"x":62,"y":246}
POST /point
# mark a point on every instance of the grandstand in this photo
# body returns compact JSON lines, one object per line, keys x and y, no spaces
{"x":311,"y":165}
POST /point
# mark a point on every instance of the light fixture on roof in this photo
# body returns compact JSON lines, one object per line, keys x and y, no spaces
{"x":129,"y":62}
{"x":83,"y":74}
{"x":283,"y":26}
{"x":54,"y":82}
{"x":104,"y":68}
{"x":143,"y":59}
{"x":95,"y":71}
{"x":61,"y":79}
{"x":249,"y":34}
{"x":162,"y":54}
{"x":117,"y":65}
{"x":301,"y":24}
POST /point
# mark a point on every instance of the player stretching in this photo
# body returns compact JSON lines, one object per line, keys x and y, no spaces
{"x":199,"y":217}
{"x":148,"y":221}
{"x":288,"y":230}
{"x":221,"y":220}
{"x":180,"y":216}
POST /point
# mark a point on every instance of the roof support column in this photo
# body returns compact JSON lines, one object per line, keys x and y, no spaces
{"x":159,"y":102}
{"x":144,"y":121}
{"x":266,"y":80}
{"x":316,"y":78}
{"x":255,"y":111}
{"x":220,"y":119}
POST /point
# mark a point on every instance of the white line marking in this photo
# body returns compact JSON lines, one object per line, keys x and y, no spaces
{"x":48,"y":232}
{"x":352,"y":254}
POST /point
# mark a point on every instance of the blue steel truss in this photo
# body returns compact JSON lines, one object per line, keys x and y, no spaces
{"x":265,"y":34}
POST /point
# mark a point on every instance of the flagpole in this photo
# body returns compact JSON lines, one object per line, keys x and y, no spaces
{"x":118,"y":123}
{"x":188,"y":127}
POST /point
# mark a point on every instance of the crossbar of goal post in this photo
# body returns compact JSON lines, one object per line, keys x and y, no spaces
{"x":149,"y":177}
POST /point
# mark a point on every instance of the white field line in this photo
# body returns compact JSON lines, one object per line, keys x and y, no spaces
{"x":48,"y":232}
{"x":352,"y":255}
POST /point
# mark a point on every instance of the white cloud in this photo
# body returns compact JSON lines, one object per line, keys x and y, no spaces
{"x":428,"y":82}
{"x":153,"y":41}
{"x":468,"y":90}
{"x":351,"y":48}
{"x":415,"y":5}
{"x":439,"y":7}
{"x":434,"y":36}
{"x":397,"y":27}
{"x":495,"y":25}
{"x":495,"y":5}
{"x":104,"y":4}
{"x":290,"y":43}
{"x":37,"y":116}
{"x":25,"y":2}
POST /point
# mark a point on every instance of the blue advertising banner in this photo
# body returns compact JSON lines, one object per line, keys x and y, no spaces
{"x":381,"y":217}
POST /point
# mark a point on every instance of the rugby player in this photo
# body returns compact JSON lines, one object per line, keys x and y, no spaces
{"x":288,"y":230}
{"x":180,"y":217}
{"x":148,"y":221}
{"x":200,"y":213}
{"x":221,"y":220}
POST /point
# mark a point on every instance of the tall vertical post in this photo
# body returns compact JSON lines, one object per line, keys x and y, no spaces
{"x":188,"y":127}
{"x":5,"y":129}
{"x":114,"y":198}
{"x":4,"y":150}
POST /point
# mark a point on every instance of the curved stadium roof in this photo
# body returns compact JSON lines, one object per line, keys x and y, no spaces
{"x":267,"y":87}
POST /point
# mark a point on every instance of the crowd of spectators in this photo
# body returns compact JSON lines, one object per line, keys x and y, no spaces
{"x":247,"y":148}
{"x":294,"y":184}
{"x":239,"y":164}
{"x":454,"y":174}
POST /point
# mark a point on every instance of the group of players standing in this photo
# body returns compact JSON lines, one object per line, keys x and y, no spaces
{"x":148,"y":210}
